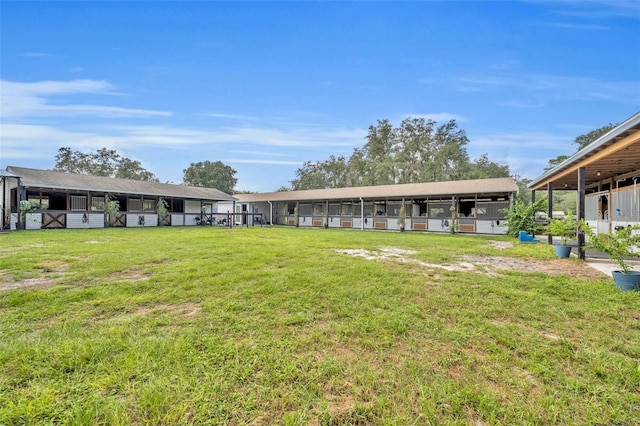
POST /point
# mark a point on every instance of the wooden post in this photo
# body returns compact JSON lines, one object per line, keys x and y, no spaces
{"x":550,"y":208}
{"x":581,"y":196}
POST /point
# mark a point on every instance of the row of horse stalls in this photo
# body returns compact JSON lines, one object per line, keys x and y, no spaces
{"x":606,"y":177}
{"x":72,"y":201}
{"x":472,"y":206}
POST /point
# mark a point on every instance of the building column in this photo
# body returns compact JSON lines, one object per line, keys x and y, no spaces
{"x":581,"y":196}
{"x":549,"y":208}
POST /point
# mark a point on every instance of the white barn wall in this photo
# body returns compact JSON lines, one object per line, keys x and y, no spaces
{"x":85,"y":220}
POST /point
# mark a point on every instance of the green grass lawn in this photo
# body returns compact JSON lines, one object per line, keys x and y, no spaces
{"x":273,"y":326}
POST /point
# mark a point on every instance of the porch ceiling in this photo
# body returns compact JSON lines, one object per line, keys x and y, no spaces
{"x":617,"y":155}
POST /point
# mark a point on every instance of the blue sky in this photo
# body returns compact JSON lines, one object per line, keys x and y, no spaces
{"x":265,"y":86}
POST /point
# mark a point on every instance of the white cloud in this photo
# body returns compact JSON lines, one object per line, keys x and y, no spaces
{"x":554,"y":87}
{"x":19,"y":100}
{"x":261,"y":153}
{"x":525,"y":140}
{"x":439,"y":117}
{"x":262,"y":161}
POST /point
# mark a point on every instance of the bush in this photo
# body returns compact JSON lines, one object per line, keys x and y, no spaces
{"x":521,"y":217}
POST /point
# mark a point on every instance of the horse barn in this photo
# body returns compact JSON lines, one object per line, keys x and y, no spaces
{"x":68,"y":200}
{"x":606,"y":176}
{"x":475,"y":206}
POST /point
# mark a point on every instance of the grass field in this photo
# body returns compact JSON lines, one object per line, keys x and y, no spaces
{"x":274,"y":326}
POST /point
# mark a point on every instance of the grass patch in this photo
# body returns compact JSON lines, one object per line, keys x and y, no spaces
{"x":282,"y":326}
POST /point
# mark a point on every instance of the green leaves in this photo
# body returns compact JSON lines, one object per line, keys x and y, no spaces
{"x":211,"y":175}
{"x":104,"y":162}
{"x":521,"y":217}
{"x":416,"y":151}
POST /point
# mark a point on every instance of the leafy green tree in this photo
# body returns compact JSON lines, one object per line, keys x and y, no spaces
{"x":483,"y":168}
{"x":378,"y":155}
{"x":104,"y":162}
{"x":416,"y":151}
{"x":211,"y":175}
{"x":521,"y":217}
{"x":331,"y":173}
{"x":555,"y":161}
{"x":584,"y":140}
{"x":132,"y":169}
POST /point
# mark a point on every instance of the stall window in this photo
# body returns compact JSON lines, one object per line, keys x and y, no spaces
{"x":135,"y":205}
{"x":149,"y":205}
{"x":43,"y":201}
{"x":78,"y":202}
{"x":97,"y":203}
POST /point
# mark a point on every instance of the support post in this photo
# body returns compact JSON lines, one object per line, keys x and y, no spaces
{"x":550,"y":208}
{"x":581,"y":196}
{"x":19,"y":198}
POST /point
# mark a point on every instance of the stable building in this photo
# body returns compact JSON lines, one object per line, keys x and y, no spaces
{"x":474,"y":206}
{"x":606,"y":176}
{"x":66,"y":200}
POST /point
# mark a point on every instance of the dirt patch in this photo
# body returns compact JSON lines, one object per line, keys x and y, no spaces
{"x":130,"y":275}
{"x":53,"y":266}
{"x":5,"y":284}
{"x":184,"y":310}
{"x":489,"y":265}
{"x":500,"y":245}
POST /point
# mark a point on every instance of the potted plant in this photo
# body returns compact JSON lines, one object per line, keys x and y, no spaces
{"x":26,"y":206}
{"x":111,"y":210}
{"x":403,"y":218}
{"x":621,"y":244}
{"x":162,"y":207}
{"x":453,"y":226}
{"x":564,"y":228}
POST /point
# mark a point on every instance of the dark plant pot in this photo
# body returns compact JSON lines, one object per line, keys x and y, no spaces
{"x":627,"y":281}
{"x":563,"y":251}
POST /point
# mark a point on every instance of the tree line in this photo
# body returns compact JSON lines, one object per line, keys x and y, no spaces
{"x":109,"y":163}
{"x":417,"y":150}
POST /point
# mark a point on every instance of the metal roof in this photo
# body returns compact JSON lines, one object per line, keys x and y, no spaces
{"x":54,"y":180}
{"x":613,"y":154}
{"x":7,"y":174}
{"x":487,"y":187}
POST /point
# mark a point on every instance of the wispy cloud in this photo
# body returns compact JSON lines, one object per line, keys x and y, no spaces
{"x":578,"y":27}
{"x":554,"y":87}
{"x":238,"y":117}
{"x":20,"y":100}
{"x":262,"y":161}
{"x":261,"y":153}
{"x":37,"y":55}
{"x":524,"y":140}
{"x":439,"y":117}
{"x":597,"y":9}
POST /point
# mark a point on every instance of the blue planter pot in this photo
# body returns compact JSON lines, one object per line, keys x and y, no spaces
{"x":563,"y":251}
{"x":627,"y":282}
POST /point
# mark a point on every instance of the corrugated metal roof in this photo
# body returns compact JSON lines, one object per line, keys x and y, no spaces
{"x":613,"y":164}
{"x":496,"y":186}
{"x":50,"y":179}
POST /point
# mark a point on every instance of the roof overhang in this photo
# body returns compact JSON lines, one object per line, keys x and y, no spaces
{"x":615,"y":154}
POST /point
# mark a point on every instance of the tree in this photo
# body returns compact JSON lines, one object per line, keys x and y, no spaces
{"x":104,"y":162}
{"x":483,"y":168}
{"x":582,"y":141}
{"x":331,"y":173}
{"x":416,"y":151}
{"x":586,"y":139}
{"x":521,"y":217}
{"x":131,"y":169}
{"x":206,"y":174}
